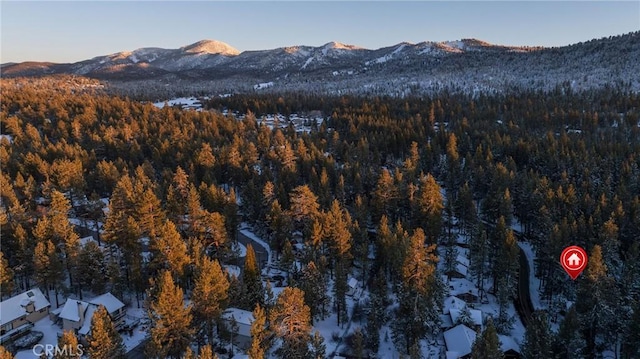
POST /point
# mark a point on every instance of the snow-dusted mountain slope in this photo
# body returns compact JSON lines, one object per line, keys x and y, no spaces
{"x":401,"y":69}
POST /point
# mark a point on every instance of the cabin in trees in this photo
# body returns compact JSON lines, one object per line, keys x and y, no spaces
{"x":459,"y":341}
{"x":238,"y":323}
{"x":76,"y":314}
{"x":23,"y":309}
{"x":456,"y":311}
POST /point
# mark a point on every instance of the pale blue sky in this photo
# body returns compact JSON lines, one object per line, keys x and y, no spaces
{"x":71,"y":31}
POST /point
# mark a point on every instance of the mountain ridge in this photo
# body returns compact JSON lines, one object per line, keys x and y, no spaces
{"x":467,"y":64}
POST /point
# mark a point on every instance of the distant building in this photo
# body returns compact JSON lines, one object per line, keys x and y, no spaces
{"x":352,"y":286}
{"x":24,"y":308}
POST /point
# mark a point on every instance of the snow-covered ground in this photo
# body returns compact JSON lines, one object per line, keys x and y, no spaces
{"x":263,"y":85}
{"x":139,"y":333}
{"x":50,"y":331}
{"x":239,"y":249}
{"x":184,"y":102}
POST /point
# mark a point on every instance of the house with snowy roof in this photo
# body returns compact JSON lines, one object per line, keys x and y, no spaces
{"x":241,"y":331}
{"x":23,"y":309}
{"x":352,"y":286}
{"x":459,"y":341}
{"x":452,"y":302}
{"x":474,"y":317}
{"x":76,"y":314}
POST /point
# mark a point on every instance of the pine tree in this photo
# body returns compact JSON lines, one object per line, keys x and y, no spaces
{"x":5,"y":354}
{"x":314,"y":286}
{"x":147,"y":211}
{"x":170,"y":330}
{"x":358,"y":344}
{"x":318,"y":348}
{"x":340,"y":288}
{"x":337,"y":226}
{"x":414,"y":351}
{"x":479,"y":255}
{"x":597,"y":304}
{"x":259,"y":334}
{"x":170,"y":250}
{"x":537,"y":338}
{"x":465,"y":318}
{"x":465,"y":209}
{"x":47,"y":266}
{"x":420,"y":294}
{"x":91,"y":270}
{"x":304,"y":206}
{"x":6,"y":276}
{"x":568,"y":342}
{"x":209,"y":296}
{"x":237,"y":292}
{"x":279,"y":224}
{"x":290,"y":319}
{"x":385,"y":197}
{"x":429,"y":207}
{"x":631,"y":340}
{"x":68,"y":344}
{"x":252,"y":280}
{"x":487,"y":345}
{"x":207,"y":353}
{"x":104,"y":340}
{"x":55,"y":227}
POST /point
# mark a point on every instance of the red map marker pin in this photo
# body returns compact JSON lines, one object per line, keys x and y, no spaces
{"x":574,"y":260}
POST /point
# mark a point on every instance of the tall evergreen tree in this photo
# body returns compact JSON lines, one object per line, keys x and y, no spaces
{"x":358,"y":344}
{"x":631,"y":340}
{"x":68,"y":346}
{"x":318,"y":348}
{"x":91,"y":269}
{"x":104,"y":340}
{"x":252,"y":279}
{"x":537,"y":338}
{"x":487,"y":345}
{"x":429,"y":206}
{"x":207,"y":353}
{"x":304,"y":207}
{"x":6,"y":277}
{"x":314,"y":285}
{"x":170,"y":251}
{"x":569,"y":342}
{"x":170,"y":331}
{"x":420,"y":294}
{"x":259,"y":334}
{"x":290,"y":319}
{"x":597,"y":305}
{"x":48,"y":267}
{"x":209,"y":296}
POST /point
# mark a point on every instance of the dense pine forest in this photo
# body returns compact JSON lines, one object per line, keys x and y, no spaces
{"x":378,"y":189}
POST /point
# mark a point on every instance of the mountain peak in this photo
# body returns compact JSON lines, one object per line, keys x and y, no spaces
{"x":339,"y":45}
{"x":211,"y":47}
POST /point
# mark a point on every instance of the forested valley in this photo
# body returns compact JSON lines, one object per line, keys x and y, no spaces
{"x":379,"y":190}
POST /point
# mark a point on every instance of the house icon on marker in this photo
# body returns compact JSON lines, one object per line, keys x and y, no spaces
{"x":574,"y":260}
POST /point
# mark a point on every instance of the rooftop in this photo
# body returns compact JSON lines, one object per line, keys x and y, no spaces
{"x":241,"y":316}
{"x":460,"y":339}
{"x":14,"y":307}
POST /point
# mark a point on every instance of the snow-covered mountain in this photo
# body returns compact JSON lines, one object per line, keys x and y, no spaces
{"x":401,"y":69}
